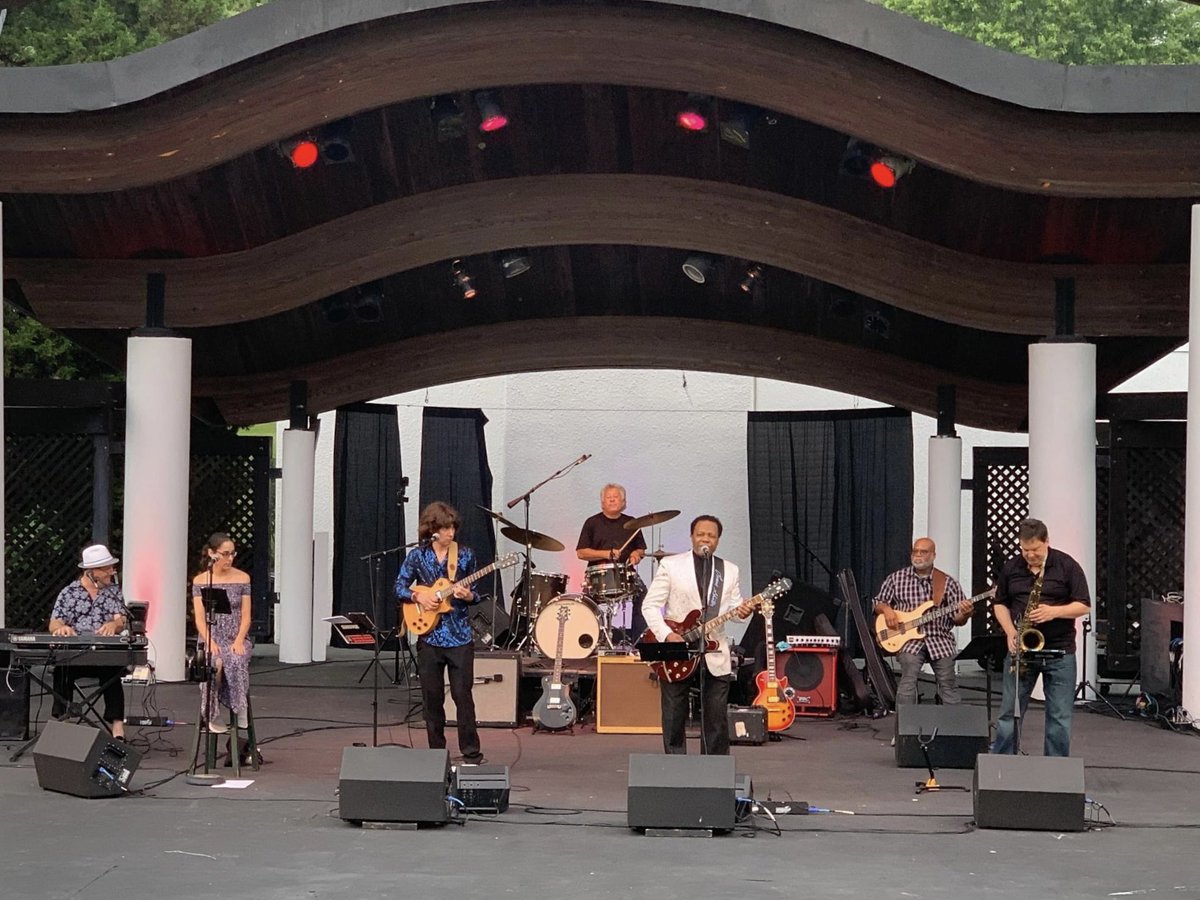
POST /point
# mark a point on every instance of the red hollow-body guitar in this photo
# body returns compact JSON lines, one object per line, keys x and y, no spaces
{"x":774,"y":695}
{"x":693,"y":633}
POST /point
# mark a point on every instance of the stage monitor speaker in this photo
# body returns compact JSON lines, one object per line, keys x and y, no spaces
{"x":83,"y":761}
{"x":955,"y":735}
{"x":394,"y":784}
{"x":481,"y":618}
{"x":747,"y":724}
{"x":812,"y":676}
{"x":627,"y":697}
{"x":667,"y":791}
{"x":497,"y":679}
{"x":14,"y":705}
{"x":1034,"y":793}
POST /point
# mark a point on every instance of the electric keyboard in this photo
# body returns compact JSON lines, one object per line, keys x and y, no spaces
{"x":814,"y":640}
{"x":78,"y":649}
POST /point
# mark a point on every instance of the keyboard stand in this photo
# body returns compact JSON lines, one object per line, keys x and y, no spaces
{"x":89,"y":700}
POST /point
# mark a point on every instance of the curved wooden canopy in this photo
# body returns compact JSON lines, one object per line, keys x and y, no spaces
{"x":943,"y":280}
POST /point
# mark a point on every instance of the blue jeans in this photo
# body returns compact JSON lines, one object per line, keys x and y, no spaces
{"x":1058,"y":684}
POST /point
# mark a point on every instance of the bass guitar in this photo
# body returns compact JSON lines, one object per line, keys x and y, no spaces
{"x":774,"y":695}
{"x":695,"y":634}
{"x":419,"y":620}
{"x":555,"y":710}
{"x":892,"y":639}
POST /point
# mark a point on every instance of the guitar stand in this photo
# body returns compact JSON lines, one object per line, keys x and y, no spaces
{"x":930,"y":785}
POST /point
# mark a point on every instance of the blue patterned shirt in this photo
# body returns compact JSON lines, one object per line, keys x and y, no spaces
{"x":76,"y":607}
{"x":421,"y":566}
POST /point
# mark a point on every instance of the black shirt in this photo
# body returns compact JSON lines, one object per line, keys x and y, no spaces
{"x":602,"y":533}
{"x":1064,"y":582}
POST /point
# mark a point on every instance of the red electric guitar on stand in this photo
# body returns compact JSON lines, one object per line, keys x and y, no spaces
{"x":774,"y":695}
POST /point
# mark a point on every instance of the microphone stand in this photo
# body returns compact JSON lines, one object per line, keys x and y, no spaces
{"x":527,"y":569}
{"x":797,"y":546}
{"x":374,"y":560}
{"x":210,"y":700}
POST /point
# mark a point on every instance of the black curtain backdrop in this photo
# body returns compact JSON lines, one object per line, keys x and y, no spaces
{"x":454,"y":469}
{"x":367,"y":488}
{"x":828,"y":490}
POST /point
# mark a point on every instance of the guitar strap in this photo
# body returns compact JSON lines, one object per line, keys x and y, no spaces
{"x":452,"y":561}
{"x":939,"y":586}
{"x":713,"y":603}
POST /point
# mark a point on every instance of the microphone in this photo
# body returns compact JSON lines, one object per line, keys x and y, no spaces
{"x":583,"y":458}
{"x":705,"y":550}
{"x":436,"y":536}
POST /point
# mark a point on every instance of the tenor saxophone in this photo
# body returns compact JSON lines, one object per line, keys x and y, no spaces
{"x":1029,"y":637}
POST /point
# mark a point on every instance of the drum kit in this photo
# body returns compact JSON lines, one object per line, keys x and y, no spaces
{"x":539,"y":596}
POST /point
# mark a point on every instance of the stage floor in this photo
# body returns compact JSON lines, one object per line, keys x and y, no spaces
{"x":565,"y":834}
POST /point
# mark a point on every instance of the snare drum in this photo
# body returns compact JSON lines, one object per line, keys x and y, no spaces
{"x":608,"y":581}
{"x":580,"y":631}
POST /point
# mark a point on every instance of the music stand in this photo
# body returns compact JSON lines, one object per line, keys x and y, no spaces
{"x":985,"y":648}
{"x":358,"y":629}
{"x":216,"y":603}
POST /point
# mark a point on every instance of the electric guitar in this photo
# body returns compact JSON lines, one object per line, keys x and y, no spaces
{"x":892,"y":639}
{"x":774,"y":695}
{"x":696,"y":637}
{"x":422,"y":621}
{"x":554,"y":709}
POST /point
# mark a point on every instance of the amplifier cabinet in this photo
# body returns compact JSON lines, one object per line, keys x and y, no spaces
{"x":812,"y":676}
{"x":497,"y":679}
{"x":627,"y":697}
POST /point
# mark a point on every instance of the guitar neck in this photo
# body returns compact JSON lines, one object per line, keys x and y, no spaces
{"x":939,"y":612}
{"x":770,"y":626}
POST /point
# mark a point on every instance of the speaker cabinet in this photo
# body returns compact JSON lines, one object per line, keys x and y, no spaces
{"x":83,"y":761}
{"x":1162,"y":622}
{"x":627,"y":697}
{"x":394,"y":784}
{"x":667,"y":791}
{"x":497,"y":679}
{"x":1035,"y":793}
{"x":747,"y":724}
{"x":955,"y":735}
{"x":14,"y":705}
{"x":812,"y":676}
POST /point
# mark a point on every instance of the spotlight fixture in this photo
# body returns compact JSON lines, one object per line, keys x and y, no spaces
{"x":448,"y":123}
{"x":735,"y":126}
{"x":491,"y":116}
{"x":514,"y":263}
{"x":884,"y":168}
{"x":462,"y":279}
{"x":336,"y":309}
{"x":302,"y":152}
{"x":699,"y":267}
{"x":693,"y":115}
{"x":330,"y":145}
{"x":368,"y":307}
{"x":889,"y":168}
{"x":754,"y":276}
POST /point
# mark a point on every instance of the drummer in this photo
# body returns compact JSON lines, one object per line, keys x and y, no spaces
{"x":601,"y":538}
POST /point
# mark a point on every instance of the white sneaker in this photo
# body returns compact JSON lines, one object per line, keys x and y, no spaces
{"x":243,"y":720}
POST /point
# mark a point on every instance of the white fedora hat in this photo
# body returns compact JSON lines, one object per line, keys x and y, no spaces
{"x":97,"y":557}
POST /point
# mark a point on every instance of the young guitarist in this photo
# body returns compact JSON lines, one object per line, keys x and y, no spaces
{"x":698,"y":580}
{"x":448,"y":645}
{"x":903,"y":591}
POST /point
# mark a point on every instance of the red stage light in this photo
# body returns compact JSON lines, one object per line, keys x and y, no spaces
{"x":883,"y":174}
{"x":691,"y":120}
{"x":305,"y":154}
{"x":493,"y":122}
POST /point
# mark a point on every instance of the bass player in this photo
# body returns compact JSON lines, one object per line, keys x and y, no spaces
{"x":902,"y":592}
{"x":449,"y":644}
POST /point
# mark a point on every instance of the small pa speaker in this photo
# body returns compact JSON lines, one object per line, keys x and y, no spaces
{"x":394,"y":784}
{"x":669,"y":791}
{"x":1034,"y":793}
{"x":83,"y":761}
{"x":954,"y":734}
{"x":497,"y":681}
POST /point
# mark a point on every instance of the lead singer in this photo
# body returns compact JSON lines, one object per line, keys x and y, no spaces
{"x":677,"y":589}
{"x":449,"y":644}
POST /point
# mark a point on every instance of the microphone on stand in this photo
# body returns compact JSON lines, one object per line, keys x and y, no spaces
{"x":705,"y":550}
{"x":583,"y":458}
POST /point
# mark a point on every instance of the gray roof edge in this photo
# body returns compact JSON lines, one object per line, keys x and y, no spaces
{"x":1003,"y":76}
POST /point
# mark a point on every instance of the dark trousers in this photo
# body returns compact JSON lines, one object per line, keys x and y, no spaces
{"x":110,"y":679}
{"x":460,"y":663}
{"x":714,"y":726}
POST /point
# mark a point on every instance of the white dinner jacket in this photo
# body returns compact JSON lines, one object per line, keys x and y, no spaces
{"x":674,"y":593}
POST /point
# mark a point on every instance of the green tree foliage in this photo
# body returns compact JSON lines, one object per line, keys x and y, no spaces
{"x":1077,"y":32}
{"x":31,"y":350}
{"x":58,"y":32}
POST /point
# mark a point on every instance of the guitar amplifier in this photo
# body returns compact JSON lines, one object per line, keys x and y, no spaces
{"x":747,"y":724}
{"x":627,"y":697}
{"x":812,"y":676}
{"x":497,"y":679}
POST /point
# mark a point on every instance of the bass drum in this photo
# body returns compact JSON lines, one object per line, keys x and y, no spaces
{"x":580,"y":631}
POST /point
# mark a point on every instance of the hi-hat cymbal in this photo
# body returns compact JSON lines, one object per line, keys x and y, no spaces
{"x":654,"y":518}
{"x":495,"y":515}
{"x":661,"y":554}
{"x":535,"y":539}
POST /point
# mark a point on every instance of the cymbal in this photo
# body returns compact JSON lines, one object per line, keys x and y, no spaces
{"x":661,"y":554}
{"x":495,"y":515}
{"x":654,"y":518}
{"x":536,"y":540}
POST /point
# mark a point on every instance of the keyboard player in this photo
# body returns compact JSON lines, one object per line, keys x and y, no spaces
{"x":93,"y":604}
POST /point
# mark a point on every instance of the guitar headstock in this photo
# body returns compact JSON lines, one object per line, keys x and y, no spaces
{"x":775,"y":589}
{"x":509,"y":559}
{"x":564,"y":612}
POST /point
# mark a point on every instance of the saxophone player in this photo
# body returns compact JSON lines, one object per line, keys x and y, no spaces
{"x":1039,"y":595}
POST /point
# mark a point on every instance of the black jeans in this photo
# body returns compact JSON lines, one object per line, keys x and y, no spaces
{"x":460,"y":663}
{"x":714,"y":726}
{"x":108,"y":676}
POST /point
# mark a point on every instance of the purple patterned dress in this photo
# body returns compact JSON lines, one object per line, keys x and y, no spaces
{"x":235,"y":682}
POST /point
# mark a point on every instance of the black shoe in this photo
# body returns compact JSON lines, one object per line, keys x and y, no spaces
{"x":474,"y":760}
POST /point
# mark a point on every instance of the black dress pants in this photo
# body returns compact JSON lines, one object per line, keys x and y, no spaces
{"x":432,"y":662}
{"x":714,"y":725}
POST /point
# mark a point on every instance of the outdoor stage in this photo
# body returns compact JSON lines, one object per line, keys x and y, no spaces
{"x":565,"y":834}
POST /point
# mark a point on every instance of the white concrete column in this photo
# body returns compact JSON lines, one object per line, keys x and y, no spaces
{"x":154,"y":559}
{"x":1191,"y":526}
{"x":1062,"y":459}
{"x":322,"y":595}
{"x":294,"y":626}
{"x":944,"y":501}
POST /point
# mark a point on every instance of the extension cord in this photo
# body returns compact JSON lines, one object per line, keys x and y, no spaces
{"x":150,"y":721}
